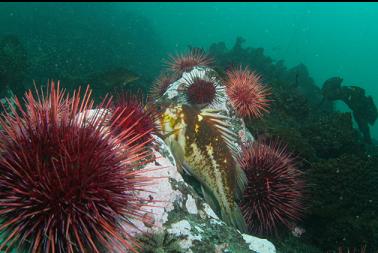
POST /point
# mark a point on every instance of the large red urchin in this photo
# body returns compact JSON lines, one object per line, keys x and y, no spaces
{"x":186,"y":62}
{"x":201,"y":89}
{"x":274,"y":193}
{"x":246,"y":92}
{"x":67,"y":183}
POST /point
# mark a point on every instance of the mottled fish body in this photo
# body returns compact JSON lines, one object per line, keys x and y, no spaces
{"x":201,"y":143}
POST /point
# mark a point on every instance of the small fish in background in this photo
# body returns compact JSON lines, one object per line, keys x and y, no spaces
{"x":114,"y":77}
{"x":202,"y":143}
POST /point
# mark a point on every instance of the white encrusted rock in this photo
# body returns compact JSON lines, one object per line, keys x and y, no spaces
{"x":161,"y":191}
{"x":191,"y":205}
{"x":259,"y":245}
{"x":183,"y":229}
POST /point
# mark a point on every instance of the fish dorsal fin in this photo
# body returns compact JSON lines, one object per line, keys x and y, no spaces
{"x":222,"y":125}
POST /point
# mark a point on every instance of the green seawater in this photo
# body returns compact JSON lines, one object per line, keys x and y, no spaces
{"x":331,"y":39}
{"x":78,"y":42}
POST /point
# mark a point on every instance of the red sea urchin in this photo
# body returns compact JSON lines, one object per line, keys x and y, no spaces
{"x":185,"y":63}
{"x":200,"y":90}
{"x":135,"y":115}
{"x":275,"y":187}
{"x":247,"y":94}
{"x":64,"y":184}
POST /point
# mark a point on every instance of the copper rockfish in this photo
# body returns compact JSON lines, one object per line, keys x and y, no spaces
{"x":201,"y":143}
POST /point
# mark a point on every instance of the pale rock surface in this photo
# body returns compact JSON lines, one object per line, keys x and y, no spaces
{"x":183,"y":214}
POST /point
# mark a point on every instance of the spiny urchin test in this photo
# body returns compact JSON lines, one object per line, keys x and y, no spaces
{"x":68,"y":181}
{"x":186,"y":62}
{"x":135,"y":114}
{"x":201,"y":89}
{"x":274,"y":194}
{"x":161,"y":84}
{"x":247,"y":93}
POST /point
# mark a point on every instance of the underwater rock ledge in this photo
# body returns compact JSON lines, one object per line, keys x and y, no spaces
{"x":183,"y":215}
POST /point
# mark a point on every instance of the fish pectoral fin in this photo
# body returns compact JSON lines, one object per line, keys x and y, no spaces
{"x":210,"y":199}
{"x":235,"y":218}
{"x":165,"y":136}
{"x":222,"y":126}
{"x":241,"y":182}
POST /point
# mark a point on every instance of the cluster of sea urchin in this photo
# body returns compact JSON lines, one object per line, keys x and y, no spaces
{"x":275,"y":187}
{"x":247,"y":94}
{"x":199,"y":90}
{"x":65,"y":183}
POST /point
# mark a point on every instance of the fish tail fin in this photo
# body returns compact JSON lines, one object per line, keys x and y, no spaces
{"x":241,"y":182}
{"x":210,"y":199}
{"x":233,"y":216}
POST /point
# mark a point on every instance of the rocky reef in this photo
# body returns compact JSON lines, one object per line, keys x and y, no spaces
{"x":183,"y":221}
{"x":343,"y":199}
{"x":339,"y":168}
